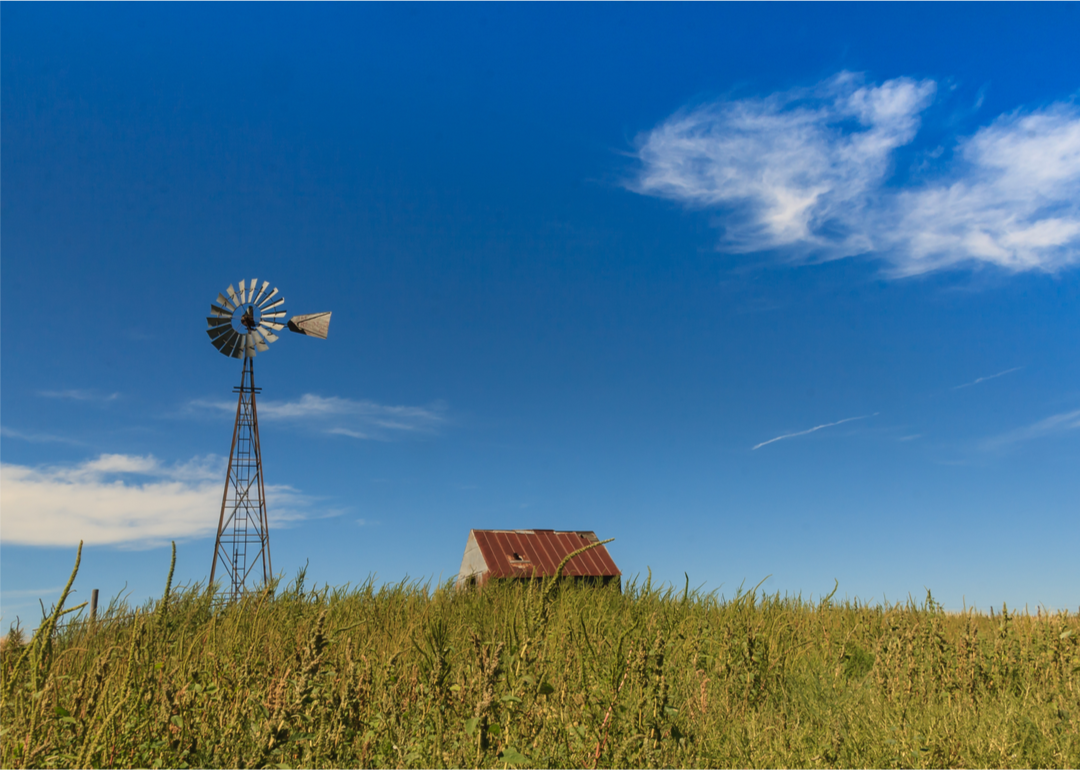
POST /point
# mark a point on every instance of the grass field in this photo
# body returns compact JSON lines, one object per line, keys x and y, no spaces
{"x":548,"y":675}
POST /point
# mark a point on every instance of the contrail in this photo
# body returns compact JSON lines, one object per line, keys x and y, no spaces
{"x":816,"y":427}
{"x":988,"y":377}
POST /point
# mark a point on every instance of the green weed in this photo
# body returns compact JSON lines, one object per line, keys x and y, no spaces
{"x":547,"y":674}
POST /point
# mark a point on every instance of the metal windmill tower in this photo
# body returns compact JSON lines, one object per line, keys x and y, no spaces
{"x":241,"y":325}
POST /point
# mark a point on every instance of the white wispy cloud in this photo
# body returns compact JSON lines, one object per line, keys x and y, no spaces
{"x":80,"y":395}
{"x":977,"y":380}
{"x":349,"y":432}
{"x":360,"y":419}
{"x":36,"y":437}
{"x":807,"y":171}
{"x":1052,"y":425}
{"x":1011,"y":201}
{"x":117,"y":499}
{"x":786,"y":169}
{"x":812,"y":430}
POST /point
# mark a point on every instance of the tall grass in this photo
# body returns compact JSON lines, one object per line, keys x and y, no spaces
{"x":543,"y":675}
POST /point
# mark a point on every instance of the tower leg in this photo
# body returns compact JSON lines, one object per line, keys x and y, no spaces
{"x":242,"y":547}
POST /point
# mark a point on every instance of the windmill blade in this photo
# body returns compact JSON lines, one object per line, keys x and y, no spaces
{"x":220,"y":311}
{"x":261,"y":345}
{"x":272,"y":305}
{"x":251,"y":290}
{"x":261,"y":292}
{"x":249,"y":345}
{"x":242,"y":293}
{"x":238,"y":349}
{"x":235,"y":342}
{"x":225,"y":342}
{"x":219,"y":343}
{"x":224,"y":302}
{"x":275,"y":326}
{"x":218,"y":335}
{"x":232,"y":295}
{"x":313,"y":324}
{"x":270,"y":296}
{"x":228,"y":343}
{"x":216,"y":320}
{"x":215,"y":331}
{"x":269,"y":335}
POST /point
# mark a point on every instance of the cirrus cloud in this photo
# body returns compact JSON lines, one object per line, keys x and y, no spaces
{"x":1053,"y":425}
{"x":361,"y":419}
{"x":75,"y":394}
{"x":808,"y":431}
{"x":808,"y":172}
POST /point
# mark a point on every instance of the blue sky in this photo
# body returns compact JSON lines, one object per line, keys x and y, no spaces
{"x":757,"y":290}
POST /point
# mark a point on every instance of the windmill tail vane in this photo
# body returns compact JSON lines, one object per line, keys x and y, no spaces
{"x":241,"y":324}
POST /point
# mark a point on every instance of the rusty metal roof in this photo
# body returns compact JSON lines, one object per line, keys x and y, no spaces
{"x":537,"y":553}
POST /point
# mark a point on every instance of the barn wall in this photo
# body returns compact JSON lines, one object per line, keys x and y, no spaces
{"x":472,"y":563}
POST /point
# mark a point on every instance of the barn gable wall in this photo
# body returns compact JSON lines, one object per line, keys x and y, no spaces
{"x":473,"y":566}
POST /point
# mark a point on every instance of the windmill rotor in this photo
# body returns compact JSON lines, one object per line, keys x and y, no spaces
{"x":242,"y":321}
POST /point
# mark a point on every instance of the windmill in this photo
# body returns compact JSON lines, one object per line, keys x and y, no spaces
{"x":241,"y":325}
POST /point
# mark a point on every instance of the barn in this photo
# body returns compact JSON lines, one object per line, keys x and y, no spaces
{"x":517,"y":554}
